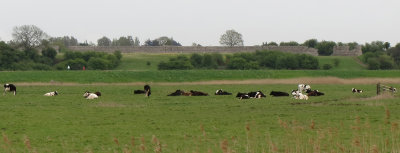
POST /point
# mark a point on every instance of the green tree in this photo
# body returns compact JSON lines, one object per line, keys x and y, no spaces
{"x":49,"y":52}
{"x":290,"y":43}
{"x":272,"y":44}
{"x":104,"y":41}
{"x":325,"y":48}
{"x":231,"y":38}
{"x":311,"y":43}
{"x":375,"y":46}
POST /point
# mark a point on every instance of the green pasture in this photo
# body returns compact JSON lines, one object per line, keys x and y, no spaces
{"x":119,"y":121}
{"x":345,"y":62}
{"x":182,"y":75}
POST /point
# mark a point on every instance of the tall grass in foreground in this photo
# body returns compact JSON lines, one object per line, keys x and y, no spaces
{"x":296,"y":138}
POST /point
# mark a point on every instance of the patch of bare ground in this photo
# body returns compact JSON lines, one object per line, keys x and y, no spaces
{"x":307,"y":80}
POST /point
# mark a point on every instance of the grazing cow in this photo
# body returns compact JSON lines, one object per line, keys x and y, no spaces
{"x":147,"y":90}
{"x":89,"y":95}
{"x":198,"y":93}
{"x":278,"y":93}
{"x":177,"y":93}
{"x":10,"y":88}
{"x":54,"y":93}
{"x":303,"y":87}
{"x":356,"y":90}
{"x":221,"y":92}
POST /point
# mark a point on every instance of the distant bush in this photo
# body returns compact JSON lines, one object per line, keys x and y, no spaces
{"x":327,"y":66}
{"x":179,"y":63}
{"x":336,"y":62}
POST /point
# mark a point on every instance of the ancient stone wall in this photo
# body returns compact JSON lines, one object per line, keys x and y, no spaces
{"x":199,"y":49}
{"x":345,"y":51}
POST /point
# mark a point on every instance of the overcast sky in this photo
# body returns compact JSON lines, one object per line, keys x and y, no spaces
{"x":204,"y":21}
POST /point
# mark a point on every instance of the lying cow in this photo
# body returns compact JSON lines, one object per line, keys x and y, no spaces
{"x":10,"y":88}
{"x":198,"y":93}
{"x":146,"y":91}
{"x":298,"y":95}
{"x":177,"y":93}
{"x":221,"y":92}
{"x":391,"y":89}
{"x":54,"y":93}
{"x":89,"y":95}
{"x":356,"y":90}
{"x":257,"y":94}
{"x":278,"y":93}
{"x":314,"y":93}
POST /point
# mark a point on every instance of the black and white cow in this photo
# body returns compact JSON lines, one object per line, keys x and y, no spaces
{"x":10,"y":88}
{"x":89,"y":95}
{"x":298,"y":95}
{"x":303,"y":87}
{"x":278,"y":93}
{"x":221,"y":92}
{"x":391,"y":89}
{"x":356,"y":90}
{"x":257,"y":94}
{"x":54,"y":93}
{"x":147,"y":90}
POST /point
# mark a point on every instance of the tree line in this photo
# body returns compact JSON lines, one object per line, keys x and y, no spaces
{"x":376,"y":54}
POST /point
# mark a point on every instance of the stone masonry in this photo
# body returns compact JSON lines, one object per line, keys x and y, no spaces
{"x":199,"y":49}
{"x":337,"y":50}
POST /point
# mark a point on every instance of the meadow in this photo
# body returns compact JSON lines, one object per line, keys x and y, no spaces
{"x":119,"y":121}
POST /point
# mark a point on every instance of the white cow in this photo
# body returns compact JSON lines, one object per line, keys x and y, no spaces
{"x":89,"y":95}
{"x":54,"y":93}
{"x":298,"y":95}
{"x":303,"y":87}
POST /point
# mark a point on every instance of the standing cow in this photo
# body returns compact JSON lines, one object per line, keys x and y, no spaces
{"x":10,"y":88}
{"x":147,"y":90}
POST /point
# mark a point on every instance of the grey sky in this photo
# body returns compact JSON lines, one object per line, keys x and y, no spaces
{"x":204,"y":21}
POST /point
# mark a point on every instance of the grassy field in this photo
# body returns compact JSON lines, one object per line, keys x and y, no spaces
{"x":182,"y":76}
{"x":119,"y":121}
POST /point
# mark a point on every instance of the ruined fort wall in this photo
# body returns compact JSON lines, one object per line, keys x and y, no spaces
{"x":196,"y":49}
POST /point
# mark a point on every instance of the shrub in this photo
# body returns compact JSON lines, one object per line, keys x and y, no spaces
{"x":49,"y":52}
{"x":327,"y":66}
{"x":96,"y":63}
{"x":209,"y":62}
{"x":336,"y":62}
{"x":373,"y":64}
{"x":237,"y":63}
{"x":196,"y":60}
{"x":179,"y":63}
